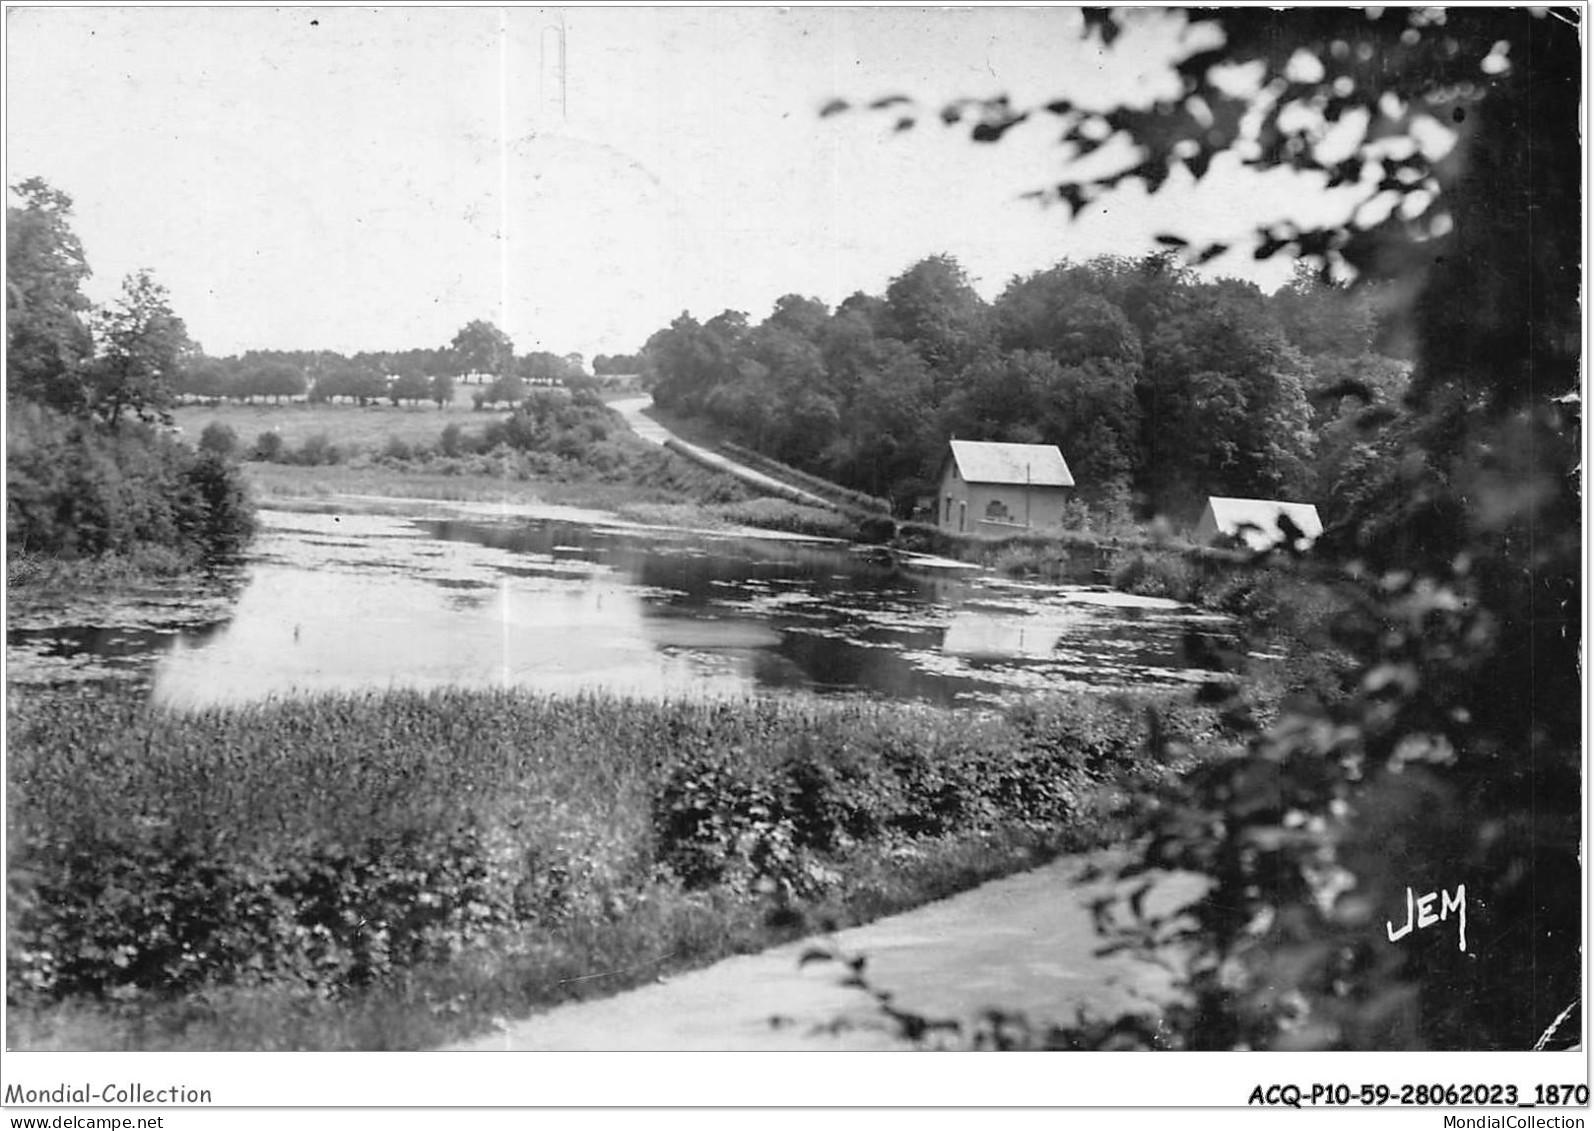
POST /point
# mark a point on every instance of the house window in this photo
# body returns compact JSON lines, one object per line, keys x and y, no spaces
{"x":948,"y":517}
{"x":996,"y":511}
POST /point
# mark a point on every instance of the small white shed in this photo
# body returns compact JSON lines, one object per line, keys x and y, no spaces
{"x":1256,"y":521}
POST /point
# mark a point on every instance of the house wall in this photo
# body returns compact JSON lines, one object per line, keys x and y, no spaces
{"x":966,"y":508}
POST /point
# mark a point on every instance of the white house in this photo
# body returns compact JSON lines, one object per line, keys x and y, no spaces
{"x":1256,"y":521}
{"x":995,"y":489}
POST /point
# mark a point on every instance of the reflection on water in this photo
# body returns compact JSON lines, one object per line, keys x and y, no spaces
{"x":357,"y":601}
{"x":995,"y":637}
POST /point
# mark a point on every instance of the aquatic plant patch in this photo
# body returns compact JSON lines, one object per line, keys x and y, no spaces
{"x":331,"y":846}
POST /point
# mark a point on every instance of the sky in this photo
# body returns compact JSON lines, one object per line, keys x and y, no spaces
{"x":368,"y":179}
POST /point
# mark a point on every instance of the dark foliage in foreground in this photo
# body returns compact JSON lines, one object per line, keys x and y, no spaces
{"x":1454,"y":757}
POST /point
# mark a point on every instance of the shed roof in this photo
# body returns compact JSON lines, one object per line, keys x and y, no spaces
{"x":1260,"y":518}
{"x":1040,"y":465}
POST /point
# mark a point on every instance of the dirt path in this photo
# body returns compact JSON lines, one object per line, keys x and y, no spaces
{"x":1026,"y":942}
{"x":655,"y":433}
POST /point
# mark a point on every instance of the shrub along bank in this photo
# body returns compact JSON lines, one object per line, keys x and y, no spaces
{"x":218,"y":880}
{"x":76,"y":489}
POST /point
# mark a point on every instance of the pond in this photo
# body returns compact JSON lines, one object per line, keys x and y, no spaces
{"x":563,"y":600}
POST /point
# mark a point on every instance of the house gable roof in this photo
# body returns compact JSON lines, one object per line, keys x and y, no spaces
{"x":1039,"y":465}
{"x":1260,"y":518}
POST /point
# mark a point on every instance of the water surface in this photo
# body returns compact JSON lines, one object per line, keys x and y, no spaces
{"x":572,"y":601}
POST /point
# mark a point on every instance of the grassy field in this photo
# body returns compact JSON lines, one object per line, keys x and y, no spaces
{"x":652,"y":504}
{"x":349,"y":425}
{"x":275,"y":482}
{"x":216,"y":880}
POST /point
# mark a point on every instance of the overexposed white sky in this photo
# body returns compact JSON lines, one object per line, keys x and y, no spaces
{"x":368,"y":178}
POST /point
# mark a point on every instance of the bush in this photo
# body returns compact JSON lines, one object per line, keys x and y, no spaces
{"x":214,"y":505}
{"x":219,"y":438}
{"x":1049,"y":562}
{"x":268,"y":447}
{"x":573,"y":438}
{"x":318,"y":450}
{"x":1155,"y":575}
{"x":727,"y":815}
{"x":77,"y":490}
{"x":926,"y":538}
{"x":161,"y":914}
{"x":550,"y":420}
{"x":452,"y":441}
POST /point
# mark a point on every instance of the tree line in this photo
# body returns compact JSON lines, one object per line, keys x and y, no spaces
{"x":133,"y":357}
{"x":479,"y":351}
{"x":1160,"y":387}
{"x":615,"y":365}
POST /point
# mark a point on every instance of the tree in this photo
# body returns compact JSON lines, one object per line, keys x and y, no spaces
{"x":272,"y":378}
{"x":933,"y":307}
{"x":685,"y":362}
{"x":366,"y":383}
{"x":438,"y":363}
{"x":334,"y":381}
{"x":410,"y":386}
{"x":219,"y":438}
{"x":140,"y":349}
{"x":871,"y":309}
{"x":615,"y":365}
{"x":1091,"y":408}
{"x":206,"y":377}
{"x":890,"y":443}
{"x":409,"y":363}
{"x":804,"y":317}
{"x":1447,"y":755}
{"x":541,"y":366}
{"x":1060,"y":311}
{"x":47,"y":337}
{"x":1223,"y":403}
{"x":1098,"y":424}
{"x":1325,"y":319}
{"x":1352,"y":463}
{"x":1003,"y":396}
{"x":508,"y":389}
{"x":442,"y":389}
{"x":800,"y":414}
{"x":481,"y":347}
